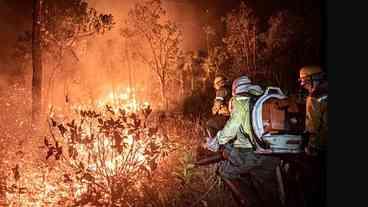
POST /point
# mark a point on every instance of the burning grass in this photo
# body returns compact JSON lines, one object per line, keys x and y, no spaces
{"x":111,"y":155}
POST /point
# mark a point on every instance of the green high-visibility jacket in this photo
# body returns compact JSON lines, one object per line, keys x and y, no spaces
{"x":238,"y":126}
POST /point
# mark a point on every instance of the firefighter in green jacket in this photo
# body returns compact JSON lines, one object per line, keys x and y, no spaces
{"x":243,"y":167}
{"x":314,"y":80}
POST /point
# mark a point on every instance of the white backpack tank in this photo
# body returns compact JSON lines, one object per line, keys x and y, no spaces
{"x":278,"y":128}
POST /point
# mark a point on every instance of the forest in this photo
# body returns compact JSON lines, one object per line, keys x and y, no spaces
{"x":104,"y":103}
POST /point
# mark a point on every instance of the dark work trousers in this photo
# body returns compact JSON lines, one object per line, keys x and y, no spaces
{"x":314,"y":180}
{"x":254,"y":174}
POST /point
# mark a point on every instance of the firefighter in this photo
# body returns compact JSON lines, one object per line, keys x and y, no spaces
{"x":220,"y":110}
{"x":242,"y":167}
{"x":314,"y":80}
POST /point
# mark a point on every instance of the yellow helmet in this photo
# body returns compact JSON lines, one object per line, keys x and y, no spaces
{"x":309,"y":71}
{"x":219,"y":81}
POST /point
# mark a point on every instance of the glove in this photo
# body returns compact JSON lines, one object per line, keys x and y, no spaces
{"x":212,"y":144}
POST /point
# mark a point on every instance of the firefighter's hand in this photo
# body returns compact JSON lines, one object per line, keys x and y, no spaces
{"x":212,"y":144}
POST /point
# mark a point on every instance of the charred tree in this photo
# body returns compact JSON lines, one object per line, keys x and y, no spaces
{"x":36,"y":61}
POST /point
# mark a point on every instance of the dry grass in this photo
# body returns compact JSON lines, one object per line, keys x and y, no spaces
{"x":175,"y":182}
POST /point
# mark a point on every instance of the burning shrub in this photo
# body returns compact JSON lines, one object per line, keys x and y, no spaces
{"x":97,"y":157}
{"x":109,"y":154}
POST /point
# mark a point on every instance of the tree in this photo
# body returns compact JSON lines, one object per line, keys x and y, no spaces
{"x":159,"y":40}
{"x":216,"y":56}
{"x":264,"y":55}
{"x":36,"y":61}
{"x":69,"y":21}
{"x":280,"y":42}
{"x":217,"y":63}
{"x":241,"y":38}
{"x":65,"y":24}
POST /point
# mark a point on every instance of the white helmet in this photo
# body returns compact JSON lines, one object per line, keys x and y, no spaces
{"x":243,"y":85}
{"x":239,"y":84}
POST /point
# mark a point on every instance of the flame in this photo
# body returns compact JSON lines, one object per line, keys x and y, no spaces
{"x":122,"y":98}
{"x":103,"y":145}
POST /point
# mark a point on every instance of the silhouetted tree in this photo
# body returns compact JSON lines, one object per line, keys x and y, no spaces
{"x":36,"y":61}
{"x":58,"y":28}
{"x":159,"y":40}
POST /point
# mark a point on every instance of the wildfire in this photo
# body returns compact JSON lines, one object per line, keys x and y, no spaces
{"x":122,"y":98}
{"x":100,"y":152}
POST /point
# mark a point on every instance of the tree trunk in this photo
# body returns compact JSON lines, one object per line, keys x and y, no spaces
{"x":164,"y":98}
{"x":2,"y":189}
{"x":192,"y":84}
{"x":182,"y":83}
{"x":36,"y":62}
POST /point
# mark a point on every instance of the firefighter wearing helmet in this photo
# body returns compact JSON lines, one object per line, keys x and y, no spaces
{"x":220,"y":105}
{"x":220,"y":110}
{"x":235,"y":140}
{"x":314,"y":80}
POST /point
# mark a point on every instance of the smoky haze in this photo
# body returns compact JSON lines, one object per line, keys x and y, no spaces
{"x":102,"y":64}
{"x":106,"y":58}
{"x":14,"y":19}
{"x":103,"y":56}
{"x":191,"y":15}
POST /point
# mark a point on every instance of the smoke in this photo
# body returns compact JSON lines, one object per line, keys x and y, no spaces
{"x":4,"y":80}
{"x":102,"y":64}
{"x":15,"y":17}
{"x":191,"y":16}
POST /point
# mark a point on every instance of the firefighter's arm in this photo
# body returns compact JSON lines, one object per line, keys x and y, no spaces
{"x":216,"y":106}
{"x":224,"y":110}
{"x":313,"y":120}
{"x":220,"y":106}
